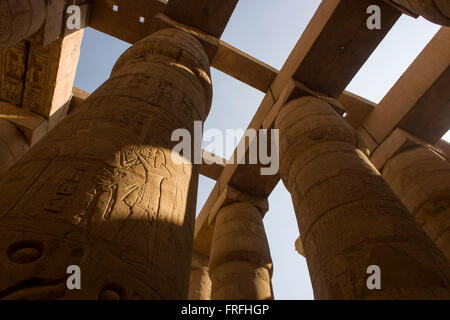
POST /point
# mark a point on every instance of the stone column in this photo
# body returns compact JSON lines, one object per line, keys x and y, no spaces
{"x":436,"y":11}
{"x":19,"y":20}
{"x":200,"y":282}
{"x":13,"y":144}
{"x":240,"y":263}
{"x":102,"y":191}
{"x":348,"y":217}
{"x":421,"y":179}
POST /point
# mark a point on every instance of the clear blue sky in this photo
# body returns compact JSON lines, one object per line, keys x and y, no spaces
{"x":268,"y":30}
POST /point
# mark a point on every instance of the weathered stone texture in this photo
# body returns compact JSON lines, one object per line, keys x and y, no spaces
{"x":13,"y":67}
{"x":200,"y":282}
{"x":101,"y":190}
{"x":12,"y":145}
{"x":436,"y":11}
{"x":240,"y":263}
{"x":348,"y":216}
{"x":19,"y":20}
{"x":421,"y":179}
{"x":51,"y":73}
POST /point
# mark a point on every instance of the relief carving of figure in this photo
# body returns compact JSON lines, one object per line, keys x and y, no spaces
{"x":128,"y":196}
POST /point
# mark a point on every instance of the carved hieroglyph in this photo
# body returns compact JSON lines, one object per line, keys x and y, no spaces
{"x":51,"y":73}
{"x":19,"y":20}
{"x":240,"y":263}
{"x":101,"y":191}
{"x":12,"y":72}
{"x":348,"y":216}
{"x":421,"y":179}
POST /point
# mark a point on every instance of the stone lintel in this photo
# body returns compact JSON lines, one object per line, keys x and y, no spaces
{"x":244,"y":67}
{"x":397,"y":142}
{"x":210,"y":43}
{"x":403,"y":9}
{"x":436,"y":11}
{"x":78,"y":97}
{"x":32,"y":125}
{"x":356,"y":107}
{"x":212,"y":165}
{"x":408,"y":104}
{"x":210,"y":16}
{"x":301,"y":90}
{"x":444,"y":146}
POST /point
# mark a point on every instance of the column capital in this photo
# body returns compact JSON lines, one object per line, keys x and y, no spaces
{"x":182,"y":49}
{"x":232,"y":195}
{"x":436,"y":11}
{"x":399,"y":141}
{"x":199,"y":260}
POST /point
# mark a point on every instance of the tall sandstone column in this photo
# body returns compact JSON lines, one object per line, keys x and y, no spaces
{"x":349,"y":218}
{"x":240,"y":263}
{"x":19,"y":20}
{"x":421,"y":179}
{"x":200,"y":282}
{"x":101,"y":190}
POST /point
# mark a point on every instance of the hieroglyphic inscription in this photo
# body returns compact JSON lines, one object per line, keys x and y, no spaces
{"x":112,"y":187}
{"x":37,"y":79}
{"x":156,"y":91}
{"x":64,"y":191}
{"x":12,"y":73}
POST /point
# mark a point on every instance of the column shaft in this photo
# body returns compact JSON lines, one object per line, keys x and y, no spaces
{"x":421,"y":179}
{"x":102,"y":191}
{"x":349,"y":218}
{"x":240,"y":263}
{"x":200,"y":282}
{"x":19,"y":20}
